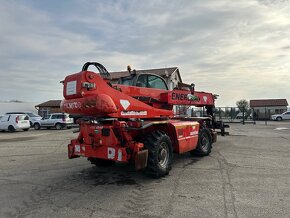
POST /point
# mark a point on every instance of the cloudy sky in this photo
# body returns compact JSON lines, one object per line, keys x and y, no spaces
{"x":237,"y":49}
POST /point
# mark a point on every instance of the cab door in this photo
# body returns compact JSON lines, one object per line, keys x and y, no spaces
{"x":45,"y":121}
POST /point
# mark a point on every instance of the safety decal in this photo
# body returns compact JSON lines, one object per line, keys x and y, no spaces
{"x":72,"y":105}
{"x":112,"y":154}
{"x":71,"y":88}
{"x":134,"y":113}
{"x":125,"y":104}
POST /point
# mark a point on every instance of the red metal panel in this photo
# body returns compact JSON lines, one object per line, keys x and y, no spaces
{"x":118,"y":154}
{"x":187,"y":135}
{"x":103,"y":100}
{"x":180,"y":97}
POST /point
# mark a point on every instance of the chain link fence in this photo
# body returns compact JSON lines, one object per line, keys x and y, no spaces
{"x":225,"y":114}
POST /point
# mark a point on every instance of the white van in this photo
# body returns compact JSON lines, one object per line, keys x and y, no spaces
{"x":12,"y":122}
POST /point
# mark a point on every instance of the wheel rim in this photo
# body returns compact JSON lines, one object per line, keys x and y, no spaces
{"x":204,"y":142}
{"x":163,"y":155}
{"x":58,"y":126}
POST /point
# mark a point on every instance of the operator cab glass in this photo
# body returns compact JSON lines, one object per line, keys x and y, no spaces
{"x":151,"y":81}
{"x":145,"y":81}
{"x":128,"y":81}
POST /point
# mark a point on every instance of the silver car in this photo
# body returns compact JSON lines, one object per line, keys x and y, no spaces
{"x":283,"y":116}
{"x":32,"y":116}
{"x":57,"y":120}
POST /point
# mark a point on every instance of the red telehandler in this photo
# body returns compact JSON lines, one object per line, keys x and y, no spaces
{"x":133,"y":121}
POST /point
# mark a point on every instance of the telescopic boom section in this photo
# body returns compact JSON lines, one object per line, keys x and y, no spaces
{"x":87,"y":93}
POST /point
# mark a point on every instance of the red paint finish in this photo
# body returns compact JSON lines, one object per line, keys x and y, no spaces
{"x":187,"y":135}
{"x":103,"y":100}
{"x":120,"y":139}
{"x":100,"y":99}
{"x":180,"y":97}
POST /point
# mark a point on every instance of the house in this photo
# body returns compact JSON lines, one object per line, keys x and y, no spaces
{"x":264,"y":108}
{"x":171,"y":75}
{"x":48,"y":107}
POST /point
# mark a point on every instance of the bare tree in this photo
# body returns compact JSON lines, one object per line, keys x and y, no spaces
{"x":243,"y":105}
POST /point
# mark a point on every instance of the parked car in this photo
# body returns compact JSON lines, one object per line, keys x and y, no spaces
{"x":12,"y":122}
{"x":32,"y":116}
{"x":57,"y":120}
{"x":283,"y":116}
{"x":240,"y":115}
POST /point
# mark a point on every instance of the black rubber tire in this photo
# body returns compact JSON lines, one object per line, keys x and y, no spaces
{"x":279,"y":118}
{"x":204,"y":143}
{"x":36,"y":126}
{"x":26,"y":129}
{"x":11,"y":128}
{"x":101,"y":162}
{"x":68,"y":127}
{"x":158,"y":144}
{"x":58,"y":126}
{"x":31,"y":125}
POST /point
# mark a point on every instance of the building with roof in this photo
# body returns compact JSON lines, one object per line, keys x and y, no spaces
{"x":264,"y":108}
{"x":171,"y":75}
{"x":48,"y":107}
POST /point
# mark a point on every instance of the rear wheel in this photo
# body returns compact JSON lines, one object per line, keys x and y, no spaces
{"x":160,"y":154}
{"x":58,"y":126}
{"x":36,"y":126}
{"x":11,"y":128}
{"x":204,"y":144}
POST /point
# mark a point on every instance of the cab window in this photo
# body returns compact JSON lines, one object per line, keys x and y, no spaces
{"x":156,"y":82}
{"x":142,"y":81}
{"x":151,"y":81}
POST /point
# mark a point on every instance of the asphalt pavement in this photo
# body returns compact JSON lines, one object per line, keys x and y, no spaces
{"x":246,"y":175}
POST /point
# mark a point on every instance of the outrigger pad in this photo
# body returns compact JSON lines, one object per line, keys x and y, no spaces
{"x":141,"y":159}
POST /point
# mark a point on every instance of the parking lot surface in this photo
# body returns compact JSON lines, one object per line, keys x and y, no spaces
{"x":246,"y":175}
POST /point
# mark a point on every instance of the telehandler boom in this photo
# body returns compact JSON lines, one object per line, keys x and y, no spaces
{"x":133,"y":121}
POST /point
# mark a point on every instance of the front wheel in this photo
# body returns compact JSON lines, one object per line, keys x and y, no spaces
{"x":279,"y":118}
{"x":160,"y":154}
{"x":37,"y":126}
{"x":204,"y":143}
{"x":58,"y":126}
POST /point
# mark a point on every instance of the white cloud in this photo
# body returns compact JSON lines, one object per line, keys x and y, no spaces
{"x":236,"y":49}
